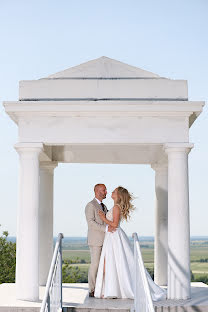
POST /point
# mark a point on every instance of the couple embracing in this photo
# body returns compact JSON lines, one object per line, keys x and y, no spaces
{"x":112,"y":261}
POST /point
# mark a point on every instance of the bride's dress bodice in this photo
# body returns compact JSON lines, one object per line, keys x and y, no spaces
{"x":109,"y":216}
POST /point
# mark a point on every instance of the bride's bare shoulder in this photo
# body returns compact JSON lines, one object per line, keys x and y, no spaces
{"x":117,"y":207}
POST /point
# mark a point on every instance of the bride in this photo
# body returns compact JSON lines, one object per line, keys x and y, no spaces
{"x":116,"y":268}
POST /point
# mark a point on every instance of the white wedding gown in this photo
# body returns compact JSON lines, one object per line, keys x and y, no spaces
{"x":117,"y":282}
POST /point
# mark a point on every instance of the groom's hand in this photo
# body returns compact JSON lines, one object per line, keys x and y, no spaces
{"x":111,"y":229}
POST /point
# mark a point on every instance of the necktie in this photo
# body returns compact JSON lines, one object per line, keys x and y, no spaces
{"x":103,"y":206}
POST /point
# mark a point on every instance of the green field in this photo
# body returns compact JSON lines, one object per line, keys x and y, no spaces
{"x":74,"y":254}
{"x":78,"y":255}
{"x":148,"y":255}
{"x":197,"y":253}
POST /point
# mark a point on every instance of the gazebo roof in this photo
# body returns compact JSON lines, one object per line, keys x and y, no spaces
{"x":104,"y":67}
{"x":103,"y":79}
{"x":104,"y":86}
{"x":104,"y":111}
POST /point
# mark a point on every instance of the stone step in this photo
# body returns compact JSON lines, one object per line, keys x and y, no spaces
{"x":164,"y":308}
{"x":101,"y":305}
{"x":83,"y":309}
{"x":76,"y":299}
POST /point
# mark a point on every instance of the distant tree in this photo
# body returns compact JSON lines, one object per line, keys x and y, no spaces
{"x":67,"y":261}
{"x":151,"y":272}
{"x":82,"y":261}
{"x":203,"y":260}
{"x":7,"y":259}
{"x":192,"y":276}
{"x":70,"y":274}
{"x":202,"y":278}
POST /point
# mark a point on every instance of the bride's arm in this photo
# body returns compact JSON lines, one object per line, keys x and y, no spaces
{"x":116,"y":217}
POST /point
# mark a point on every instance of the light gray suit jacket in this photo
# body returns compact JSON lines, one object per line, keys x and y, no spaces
{"x":96,"y":227}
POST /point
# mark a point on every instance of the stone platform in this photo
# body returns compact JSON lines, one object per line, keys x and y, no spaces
{"x":75,"y":299}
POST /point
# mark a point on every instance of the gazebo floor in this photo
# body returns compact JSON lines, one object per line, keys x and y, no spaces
{"x":75,"y":298}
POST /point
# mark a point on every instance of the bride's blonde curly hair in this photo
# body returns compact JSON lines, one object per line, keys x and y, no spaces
{"x":124,"y":201}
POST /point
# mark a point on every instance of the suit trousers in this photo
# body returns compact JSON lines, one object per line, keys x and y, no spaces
{"x":95,"y":252}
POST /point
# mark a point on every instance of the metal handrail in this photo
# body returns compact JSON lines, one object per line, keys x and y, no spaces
{"x":52,"y":300}
{"x":142,"y":296}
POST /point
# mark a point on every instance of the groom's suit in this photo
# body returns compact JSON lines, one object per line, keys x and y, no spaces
{"x":95,"y":238}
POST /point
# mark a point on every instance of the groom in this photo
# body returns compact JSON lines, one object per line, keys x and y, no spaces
{"x":96,"y":232}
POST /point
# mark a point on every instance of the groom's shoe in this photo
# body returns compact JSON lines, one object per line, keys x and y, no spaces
{"x":91,"y":294}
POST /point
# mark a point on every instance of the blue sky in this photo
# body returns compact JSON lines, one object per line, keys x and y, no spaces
{"x":38,"y":38}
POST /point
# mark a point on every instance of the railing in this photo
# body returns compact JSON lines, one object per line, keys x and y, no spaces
{"x":52,"y":301}
{"x":142,"y":296}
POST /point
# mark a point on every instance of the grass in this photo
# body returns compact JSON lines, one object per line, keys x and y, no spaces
{"x":199,"y":267}
{"x":148,"y":255}
{"x":197,"y":252}
{"x":74,"y":254}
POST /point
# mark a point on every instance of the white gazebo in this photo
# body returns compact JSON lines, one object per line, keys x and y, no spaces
{"x":103,"y":111}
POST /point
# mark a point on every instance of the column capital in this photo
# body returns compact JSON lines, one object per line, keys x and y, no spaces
{"x":29,"y":147}
{"x":178,"y":147}
{"x":48,"y":165}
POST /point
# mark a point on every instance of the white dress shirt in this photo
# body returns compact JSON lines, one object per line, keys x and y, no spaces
{"x":99,"y":202}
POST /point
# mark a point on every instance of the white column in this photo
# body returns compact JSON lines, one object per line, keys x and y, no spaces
{"x":161,"y":224}
{"x":27,"y":283}
{"x":178,"y":221}
{"x":45,"y":220}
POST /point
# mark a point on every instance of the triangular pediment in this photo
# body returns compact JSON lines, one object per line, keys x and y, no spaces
{"x":104,"y":67}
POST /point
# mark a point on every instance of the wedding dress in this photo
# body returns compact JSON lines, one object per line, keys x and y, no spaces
{"x":117,"y":281}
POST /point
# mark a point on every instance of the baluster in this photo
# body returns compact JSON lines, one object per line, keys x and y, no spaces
{"x":49,"y":303}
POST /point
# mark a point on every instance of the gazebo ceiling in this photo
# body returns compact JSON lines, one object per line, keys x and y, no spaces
{"x":109,"y":154}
